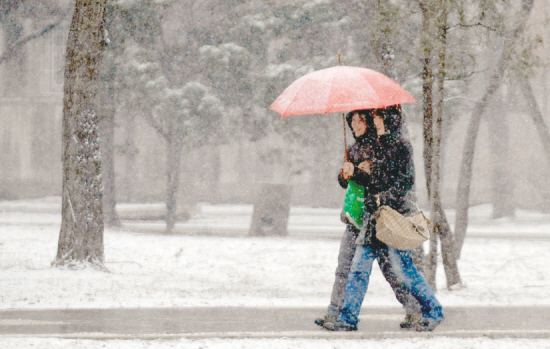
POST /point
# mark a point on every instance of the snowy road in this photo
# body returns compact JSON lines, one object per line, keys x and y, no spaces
{"x":252,"y":322}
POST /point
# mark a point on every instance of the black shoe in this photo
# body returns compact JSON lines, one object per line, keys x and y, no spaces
{"x":320,"y":321}
{"x":339,"y":326}
{"x":427,"y":325}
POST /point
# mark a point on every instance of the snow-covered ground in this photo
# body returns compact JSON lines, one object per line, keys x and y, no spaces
{"x":155,"y":270}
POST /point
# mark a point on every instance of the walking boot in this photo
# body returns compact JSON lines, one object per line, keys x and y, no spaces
{"x":427,"y":325}
{"x":339,"y":326}
{"x":320,"y":321}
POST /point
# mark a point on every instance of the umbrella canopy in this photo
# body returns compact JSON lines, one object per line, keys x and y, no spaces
{"x":339,"y":89}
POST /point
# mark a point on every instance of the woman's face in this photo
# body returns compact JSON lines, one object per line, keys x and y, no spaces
{"x":358,"y":125}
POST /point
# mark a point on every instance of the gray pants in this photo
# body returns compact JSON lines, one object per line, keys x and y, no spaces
{"x":345,"y":258}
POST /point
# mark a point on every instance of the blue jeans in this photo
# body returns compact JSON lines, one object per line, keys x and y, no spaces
{"x":406,"y":273}
{"x":345,"y":258}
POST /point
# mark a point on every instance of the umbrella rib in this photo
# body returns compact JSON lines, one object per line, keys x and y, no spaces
{"x":289,"y":104}
{"x":295,"y":96}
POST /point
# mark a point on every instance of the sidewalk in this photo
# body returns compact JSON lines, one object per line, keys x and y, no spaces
{"x":241,"y":322}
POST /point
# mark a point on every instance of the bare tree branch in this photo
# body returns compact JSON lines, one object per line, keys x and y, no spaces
{"x":12,"y":47}
{"x":464,"y":76}
{"x":473,"y":25}
{"x":154,"y":124}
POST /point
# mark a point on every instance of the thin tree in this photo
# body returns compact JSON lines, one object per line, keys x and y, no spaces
{"x":81,"y":236}
{"x":167,"y":93}
{"x":183,"y":118}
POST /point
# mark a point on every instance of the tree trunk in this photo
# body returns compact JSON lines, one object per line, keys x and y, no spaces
{"x":271,"y":210}
{"x":427,"y":96}
{"x":81,"y":235}
{"x":173,"y":166}
{"x":14,"y":78}
{"x":439,"y":219}
{"x":538,"y":119}
{"x":427,"y":106}
{"x":130,"y":158}
{"x":430,"y":267}
{"x":382,"y":45}
{"x":536,"y":114}
{"x":465,"y":177}
{"x":450,"y":265}
{"x":502,"y":185}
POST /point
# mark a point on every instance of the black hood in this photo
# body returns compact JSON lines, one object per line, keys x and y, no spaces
{"x":393,"y":120}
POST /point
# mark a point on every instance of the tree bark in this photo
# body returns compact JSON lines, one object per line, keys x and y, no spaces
{"x":81,"y":236}
{"x":465,"y":177}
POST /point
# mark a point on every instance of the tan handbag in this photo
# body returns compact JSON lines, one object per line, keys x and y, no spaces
{"x":400,"y":232}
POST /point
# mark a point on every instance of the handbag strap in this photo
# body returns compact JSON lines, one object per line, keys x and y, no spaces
{"x":417,"y":208}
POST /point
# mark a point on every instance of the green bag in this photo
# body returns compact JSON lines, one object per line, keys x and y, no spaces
{"x":354,"y":203}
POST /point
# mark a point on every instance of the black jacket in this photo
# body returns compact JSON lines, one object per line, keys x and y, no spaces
{"x":394,"y":172}
{"x":363,"y":149}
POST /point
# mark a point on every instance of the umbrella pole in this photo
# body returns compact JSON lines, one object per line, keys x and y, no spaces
{"x":345,"y":141}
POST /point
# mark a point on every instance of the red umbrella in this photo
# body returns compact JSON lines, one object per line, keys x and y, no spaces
{"x":339,"y":89}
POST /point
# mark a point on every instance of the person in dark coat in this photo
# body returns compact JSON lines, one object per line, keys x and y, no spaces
{"x":360,"y":156}
{"x":389,"y":179}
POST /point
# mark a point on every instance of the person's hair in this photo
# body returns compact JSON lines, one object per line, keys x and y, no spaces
{"x":367,"y":114}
